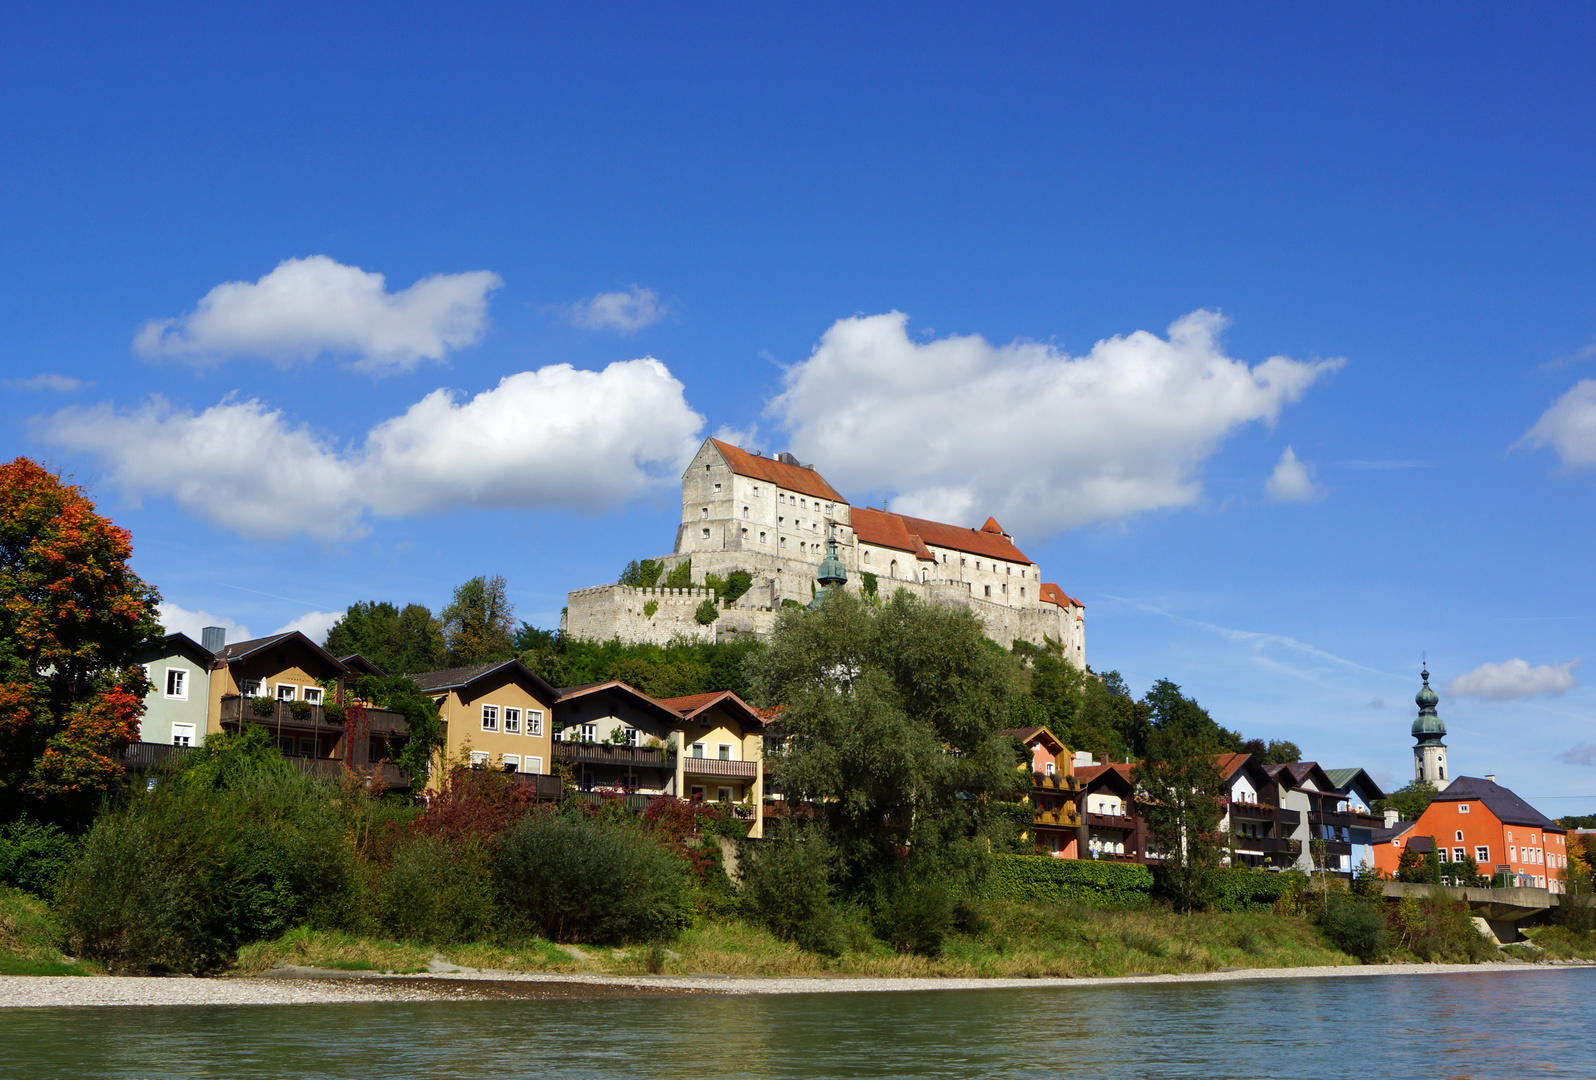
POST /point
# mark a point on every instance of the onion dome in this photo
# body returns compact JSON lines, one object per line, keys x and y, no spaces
{"x":1427,"y":723}
{"x":832,"y":574}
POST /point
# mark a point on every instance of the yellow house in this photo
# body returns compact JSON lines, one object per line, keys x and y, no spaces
{"x":277,"y":683}
{"x":497,"y":716}
{"x":722,"y":758}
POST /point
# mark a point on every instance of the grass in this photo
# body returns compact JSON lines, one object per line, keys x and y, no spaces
{"x":1018,"y":941}
{"x":1557,"y":943}
{"x":29,"y":936}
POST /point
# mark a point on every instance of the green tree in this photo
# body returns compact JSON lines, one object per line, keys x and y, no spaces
{"x":399,"y":641}
{"x":1273,"y":752}
{"x":398,"y":694}
{"x":73,"y":615}
{"x":1178,"y":793}
{"x":641,"y":575}
{"x":1410,"y":800}
{"x":1173,"y":712}
{"x":479,"y":623}
{"x":891,"y":716}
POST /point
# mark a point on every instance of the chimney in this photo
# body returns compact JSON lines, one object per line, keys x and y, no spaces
{"x":1102,"y":759}
{"x":214,"y":638}
{"x":1491,"y":777}
{"x":1390,"y":817}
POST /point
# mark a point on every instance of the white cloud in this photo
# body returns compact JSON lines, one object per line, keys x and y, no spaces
{"x":180,"y":620}
{"x":624,"y":311}
{"x":314,"y":625}
{"x":61,"y":384}
{"x":308,"y":307}
{"x":1581,"y":753}
{"x":961,"y":428}
{"x":746,"y":437}
{"x":1569,"y":427}
{"x":1515,"y":679}
{"x":554,"y":437}
{"x":1292,"y":480}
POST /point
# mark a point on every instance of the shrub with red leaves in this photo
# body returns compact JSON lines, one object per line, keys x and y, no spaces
{"x":476,"y":805}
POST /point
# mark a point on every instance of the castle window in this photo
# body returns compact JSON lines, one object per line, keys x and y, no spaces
{"x":704,"y":513}
{"x":706,"y":534}
{"x":745,"y":511}
{"x":867,"y":557}
{"x":924,"y":574}
{"x":944,"y":556}
{"x":989,"y":590}
{"x":1008,"y":569}
{"x":894,"y":567}
{"x":803,"y":504}
{"x":783,"y":541}
{"x":761,"y":538}
{"x":717,"y":487}
{"x":978,"y":564}
{"x":745,"y":532}
{"x":801,"y":546}
{"x":1005,"y":588}
{"x":756,"y":489}
{"x":1022,"y":592}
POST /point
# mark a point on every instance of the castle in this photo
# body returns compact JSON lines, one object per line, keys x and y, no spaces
{"x":772,"y":517}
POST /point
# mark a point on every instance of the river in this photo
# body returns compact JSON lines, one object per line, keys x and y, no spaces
{"x":1491,"y":1024}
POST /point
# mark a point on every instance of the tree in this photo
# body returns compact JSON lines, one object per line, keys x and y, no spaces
{"x":890,"y":717}
{"x":73,"y":616}
{"x":479,"y":624}
{"x":1410,"y":801}
{"x":401,"y":695}
{"x":641,"y":575}
{"x":1172,"y":711}
{"x":400,"y":642}
{"x":1273,"y":752}
{"x":1178,"y":793}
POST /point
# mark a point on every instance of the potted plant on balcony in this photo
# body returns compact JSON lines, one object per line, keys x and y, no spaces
{"x":300,"y":709}
{"x":262,"y":705}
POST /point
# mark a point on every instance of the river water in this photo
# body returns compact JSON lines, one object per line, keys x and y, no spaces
{"x":1491,"y":1024}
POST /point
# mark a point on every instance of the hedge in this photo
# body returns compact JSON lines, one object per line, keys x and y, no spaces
{"x":1252,"y":890}
{"x":1044,"y":879}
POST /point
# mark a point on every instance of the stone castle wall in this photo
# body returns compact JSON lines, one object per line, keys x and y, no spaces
{"x":610,"y":611}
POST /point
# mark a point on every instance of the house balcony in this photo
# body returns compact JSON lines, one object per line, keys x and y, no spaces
{"x":1269,"y":845}
{"x":1253,"y":811}
{"x":731,"y":770}
{"x":1335,"y":821}
{"x":603,"y":753}
{"x":141,"y":755}
{"x":1119,"y":822}
{"x":543,"y":787}
{"x":1064,"y":817}
{"x":283,"y":716}
{"x":1054,"y":782}
{"x":1289,"y":819}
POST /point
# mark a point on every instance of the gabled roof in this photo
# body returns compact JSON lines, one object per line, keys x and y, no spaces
{"x":792,"y":477}
{"x":1051,"y":594}
{"x":461,"y":677}
{"x":180,"y":644}
{"x":1028,"y":735}
{"x":1385,"y":836}
{"x":1114,"y":775}
{"x":694,"y":704}
{"x":1507,"y":807}
{"x":243,"y":650}
{"x":1230,"y":763}
{"x":622,"y":690}
{"x":360,"y":665}
{"x":1296,"y":774}
{"x":1343,"y":779}
{"x":903,"y":533}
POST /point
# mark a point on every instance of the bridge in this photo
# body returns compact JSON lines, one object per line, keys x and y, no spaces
{"x":1502,"y":909}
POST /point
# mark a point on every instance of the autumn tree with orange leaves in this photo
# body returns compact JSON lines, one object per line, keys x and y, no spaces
{"x":72,"y":618}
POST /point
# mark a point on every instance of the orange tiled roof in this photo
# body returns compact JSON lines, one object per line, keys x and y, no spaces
{"x":1052,"y":594}
{"x":792,"y":477}
{"x":903,"y":533}
{"x":1229,"y":763}
{"x":693,"y":704}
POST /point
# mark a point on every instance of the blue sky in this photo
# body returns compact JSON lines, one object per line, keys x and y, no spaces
{"x":1397,"y":201}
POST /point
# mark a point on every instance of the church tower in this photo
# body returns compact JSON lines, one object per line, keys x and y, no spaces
{"x":1429,"y":752}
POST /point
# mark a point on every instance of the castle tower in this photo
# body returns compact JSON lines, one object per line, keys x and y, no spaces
{"x":1429,"y":752}
{"x":832,"y":574}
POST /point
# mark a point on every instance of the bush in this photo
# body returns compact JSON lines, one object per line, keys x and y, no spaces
{"x":1438,"y":928}
{"x":915,"y":915}
{"x":1354,"y":925}
{"x":706,"y":613}
{"x":569,"y":878}
{"x":208,"y":861}
{"x":1044,"y":879}
{"x":436,"y":892}
{"x":1253,"y":890}
{"x":681,"y":575}
{"x":787,"y":889}
{"x":34,"y":855}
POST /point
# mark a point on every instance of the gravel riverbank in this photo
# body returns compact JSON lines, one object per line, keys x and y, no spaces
{"x":308,"y":987}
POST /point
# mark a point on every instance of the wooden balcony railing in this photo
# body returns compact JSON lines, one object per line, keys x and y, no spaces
{"x":1121,"y":822}
{"x":736,"y":770}
{"x":597,"y":753}
{"x":282,"y":715}
{"x":142,"y":755}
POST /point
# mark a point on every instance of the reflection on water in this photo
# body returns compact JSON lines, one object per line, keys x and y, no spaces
{"x":1476,"y":1025}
